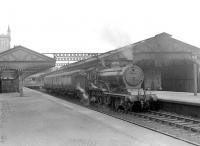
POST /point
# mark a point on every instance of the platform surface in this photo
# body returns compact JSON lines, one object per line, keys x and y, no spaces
{"x":38,"y":119}
{"x":185,"y":97}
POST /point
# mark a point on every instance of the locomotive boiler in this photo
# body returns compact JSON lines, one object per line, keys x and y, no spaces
{"x":121,"y":79}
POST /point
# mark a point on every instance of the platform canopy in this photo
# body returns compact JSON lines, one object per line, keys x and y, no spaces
{"x":18,"y":63}
{"x":24,"y":60}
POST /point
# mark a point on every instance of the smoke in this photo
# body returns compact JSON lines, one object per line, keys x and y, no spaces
{"x":118,"y":39}
{"x":85,"y":97}
{"x":128,"y":52}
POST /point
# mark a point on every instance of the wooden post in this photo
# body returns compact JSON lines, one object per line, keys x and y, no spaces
{"x":20,"y":84}
{"x":195,"y":78}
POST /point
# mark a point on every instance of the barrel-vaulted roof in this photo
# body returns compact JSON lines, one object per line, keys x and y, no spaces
{"x":25,"y":60}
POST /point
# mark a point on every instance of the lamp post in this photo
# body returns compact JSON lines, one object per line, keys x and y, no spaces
{"x":194,"y":58}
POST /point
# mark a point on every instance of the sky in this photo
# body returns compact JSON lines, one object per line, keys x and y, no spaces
{"x":96,"y":26}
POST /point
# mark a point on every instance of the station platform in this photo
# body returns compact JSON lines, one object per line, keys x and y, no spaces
{"x":179,"y":97}
{"x":183,"y":103}
{"x":38,"y":119}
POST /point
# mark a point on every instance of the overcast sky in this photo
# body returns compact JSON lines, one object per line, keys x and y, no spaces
{"x":97,"y":25}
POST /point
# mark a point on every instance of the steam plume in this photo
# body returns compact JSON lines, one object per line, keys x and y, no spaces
{"x":85,"y":98}
{"x":119,"y":39}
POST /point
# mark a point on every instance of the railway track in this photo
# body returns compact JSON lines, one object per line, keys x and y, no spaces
{"x":173,"y":120}
{"x":180,"y":127}
{"x":176,"y":126}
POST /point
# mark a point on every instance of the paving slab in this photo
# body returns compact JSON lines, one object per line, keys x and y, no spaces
{"x":38,"y":119}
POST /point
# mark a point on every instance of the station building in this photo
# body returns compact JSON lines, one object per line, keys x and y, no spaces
{"x":169,"y":64}
{"x":17,"y":63}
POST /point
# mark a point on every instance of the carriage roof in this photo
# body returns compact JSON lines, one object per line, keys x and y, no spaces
{"x":65,"y":73}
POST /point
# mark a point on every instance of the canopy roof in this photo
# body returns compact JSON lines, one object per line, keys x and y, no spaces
{"x":24,"y":60}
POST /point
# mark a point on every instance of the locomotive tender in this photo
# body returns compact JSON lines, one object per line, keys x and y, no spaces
{"x":116,"y":87}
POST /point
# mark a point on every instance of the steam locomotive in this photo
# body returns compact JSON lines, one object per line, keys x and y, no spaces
{"x":116,"y":87}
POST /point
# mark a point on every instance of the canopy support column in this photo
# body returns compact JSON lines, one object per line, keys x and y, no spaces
{"x":195,"y":78}
{"x":195,"y":73}
{"x":20,"y":83}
